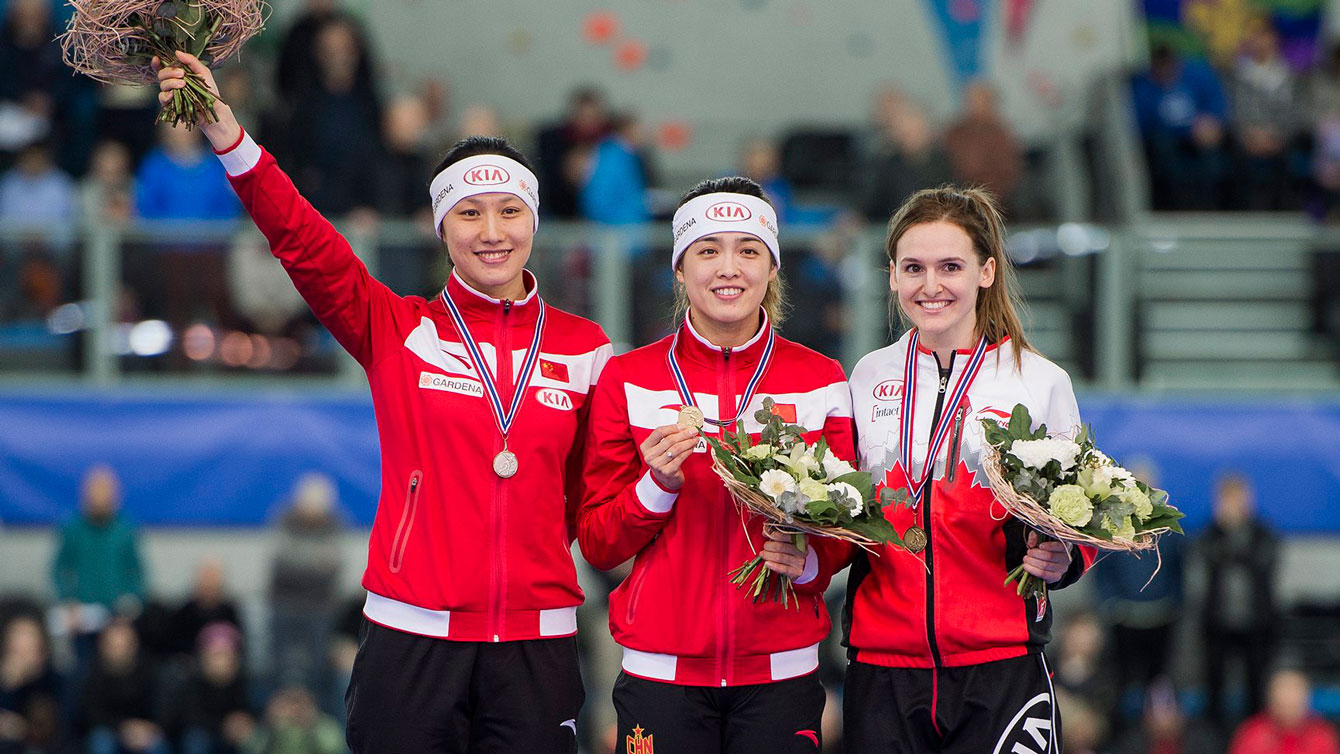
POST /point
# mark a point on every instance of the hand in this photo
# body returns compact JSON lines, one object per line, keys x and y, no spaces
{"x":781,"y":555}
{"x":1048,"y":561}
{"x":222,"y":133}
{"x":665,"y":451}
{"x":1207,"y":131}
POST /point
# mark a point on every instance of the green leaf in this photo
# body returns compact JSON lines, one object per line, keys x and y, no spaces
{"x":861,"y":481}
{"x":877,"y":528}
{"x":1021,"y":425}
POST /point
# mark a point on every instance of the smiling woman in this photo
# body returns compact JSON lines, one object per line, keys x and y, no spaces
{"x":468,"y":642}
{"x":652,"y":496}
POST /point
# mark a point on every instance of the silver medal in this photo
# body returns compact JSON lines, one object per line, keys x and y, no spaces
{"x":504,"y":464}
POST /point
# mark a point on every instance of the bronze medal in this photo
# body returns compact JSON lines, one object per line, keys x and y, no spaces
{"x":914,"y":539}
{"x":690,"y":416}
{"x":504,"y":464}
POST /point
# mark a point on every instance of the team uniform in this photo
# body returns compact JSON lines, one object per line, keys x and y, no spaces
{"x":704,"y":667}
{"x":471,"y":614}
{"x":943,"y":656}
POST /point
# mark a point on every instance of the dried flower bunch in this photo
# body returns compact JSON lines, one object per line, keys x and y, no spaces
{"x":115,"y":41}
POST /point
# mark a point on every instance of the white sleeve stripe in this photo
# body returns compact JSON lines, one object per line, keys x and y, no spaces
{"x":241,"y":158}
{"x":652,"y":497}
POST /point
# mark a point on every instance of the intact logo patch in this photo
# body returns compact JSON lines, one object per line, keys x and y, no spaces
{"x":553,"y":370}
{"x":638,"y":743}
{"x":433,"y":381}
{"x":554,"y":399}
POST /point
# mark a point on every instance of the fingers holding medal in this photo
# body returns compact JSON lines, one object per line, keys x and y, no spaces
{"x":667,"y":447}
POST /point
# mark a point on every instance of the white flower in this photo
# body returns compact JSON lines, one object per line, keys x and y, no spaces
{"x":1037,"y":453}
{"x":835,"y":467}
{"x":774,"y":482}
{"x":850,"y":495}
{"x":800,"y":460}
{"x":1069,"y":503}
{"x":757,"y":452}
{"x":1144,"y":507}
{"x":1113,"y":477}
{"x":1096,"y":457}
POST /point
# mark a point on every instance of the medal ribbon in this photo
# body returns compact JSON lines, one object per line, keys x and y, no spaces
{"x":917,"y":482}
{"x":684,"y":393}
{"x":504,"y":421}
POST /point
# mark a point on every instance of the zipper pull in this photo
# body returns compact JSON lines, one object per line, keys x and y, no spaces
{"x":944,"y":381}
{"x":725,"y":352}
{"x":507,"y":305}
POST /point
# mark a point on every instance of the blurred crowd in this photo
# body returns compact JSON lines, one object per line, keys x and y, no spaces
{"x":1250,"y":132}
{"x":1191,"y":652}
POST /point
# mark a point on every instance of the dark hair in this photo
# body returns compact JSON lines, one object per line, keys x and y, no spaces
{"x":734,"y":184}
{"x":473,"y":146}
{"x":774,"y":298}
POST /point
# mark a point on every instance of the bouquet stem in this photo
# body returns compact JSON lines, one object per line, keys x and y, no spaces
{"x":190,"y":103}
{"x":1029,"y":586}
{"x":763,"y":583}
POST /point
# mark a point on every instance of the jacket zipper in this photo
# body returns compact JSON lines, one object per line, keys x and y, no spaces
{"x":945,"y":373}
{"x":955,"y":443}
{"x":401,"y":541}
{"x":503,"y":361}
{"x":631,"y":612}
{"x":725,"y":590}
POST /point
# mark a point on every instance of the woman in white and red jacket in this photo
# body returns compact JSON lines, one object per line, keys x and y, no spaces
{"x":705,"y":668}
{"x":945,"y":657}
{"x":481,"y":395}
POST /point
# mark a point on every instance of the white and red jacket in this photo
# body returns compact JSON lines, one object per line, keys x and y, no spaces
{"x":456,"y":552}
{"x":677,"y":616}
{"x":948,"y":606}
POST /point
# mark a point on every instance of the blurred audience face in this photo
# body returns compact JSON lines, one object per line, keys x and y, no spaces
{"x":1163,"y":65}
{"x":118,"y":644}
{"x":760,"y":160}
{"x":887,"y":108}
{"x":479,"y":120}
{"x":25,"y":650}
{"x":979,"y":101}
{"x":34,"y":161}
{"x":314,"y":496}
{"x":292,"y":707}
{"x":1262,"y":44}
{"x":181,"y":143}
{"x":28,"y":21}
{"x":1163,"y":719}
{"x":220,"y":653}
{"x":1233,"y":504}
{"x":209,"y":582}
{"x":338,"y":52}
{"x":110,"y":163}
{"x":1289,"y":698}
{"x":937,"y":276}
{"x":1082,"y":638}
{"x":587,"y":115}
{"x":406,"y":124}
{"x":101,"y":494}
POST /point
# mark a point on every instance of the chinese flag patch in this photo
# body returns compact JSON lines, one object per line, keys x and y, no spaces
{"x":553,"y":370}
{"x":785,"y":410}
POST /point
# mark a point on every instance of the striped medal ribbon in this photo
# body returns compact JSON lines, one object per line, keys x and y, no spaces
{"x":505,"y":463}
{"x":917,"y":482}
{"x":687,"y":395}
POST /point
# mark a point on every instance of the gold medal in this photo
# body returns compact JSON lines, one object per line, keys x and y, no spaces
{"x":914,"y":539}
{"x":504,"y":464}
{"x":690,"y":416}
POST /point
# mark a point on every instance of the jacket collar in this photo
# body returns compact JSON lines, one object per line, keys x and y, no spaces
{"x":693,"y":346}
{"x":476,"y":304}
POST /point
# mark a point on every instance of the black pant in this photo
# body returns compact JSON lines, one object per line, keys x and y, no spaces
{"x":1255,"y":649}
{"x":412,"y":693}
{"x":1004,"y":706}
{"x":768,"y":718}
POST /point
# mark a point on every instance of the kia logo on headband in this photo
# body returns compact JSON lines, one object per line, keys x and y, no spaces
{"x":728,"y":212}
{"x":486,"y":175}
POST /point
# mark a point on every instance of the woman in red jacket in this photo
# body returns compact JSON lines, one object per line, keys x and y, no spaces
{"x":705,"y":668}
{"x":480,"y":392}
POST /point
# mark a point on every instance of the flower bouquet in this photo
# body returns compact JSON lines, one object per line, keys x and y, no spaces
{"x":115,"y":41}
{"x":799,"y":489}
{"x":1069,"y":490}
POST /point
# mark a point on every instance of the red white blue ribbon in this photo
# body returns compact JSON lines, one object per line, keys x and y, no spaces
{"x":917,"y":482}
{"x":687,"y":395}
{"x":504,"y":420}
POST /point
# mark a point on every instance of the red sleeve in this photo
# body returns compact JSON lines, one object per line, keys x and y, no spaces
{"x":331,"y":278}
{"x":840,"y":433}
{"x":575,"y":488}
{"x":623,"y":508}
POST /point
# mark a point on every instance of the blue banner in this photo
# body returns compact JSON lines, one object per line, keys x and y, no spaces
{"x":232,"y":459}
{"x":961,"y":25}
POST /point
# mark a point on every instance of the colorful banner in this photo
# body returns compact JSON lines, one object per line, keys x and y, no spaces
{"x":1216,"y":29}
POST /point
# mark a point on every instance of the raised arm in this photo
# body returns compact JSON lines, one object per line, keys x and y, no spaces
{"x":323,"y":267}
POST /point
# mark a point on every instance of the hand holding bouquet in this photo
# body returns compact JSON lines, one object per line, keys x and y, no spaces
{"x":116,"y":41}
{"x":1069,"y":490}
{"x":799,"y":489}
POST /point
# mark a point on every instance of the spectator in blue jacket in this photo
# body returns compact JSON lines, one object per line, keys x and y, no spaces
{"x":615,"y":192}
{"x":1181,"y":108}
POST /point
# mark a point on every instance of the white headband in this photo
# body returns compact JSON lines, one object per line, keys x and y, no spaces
{"x":725,"y":213}
{"x":482,"y":174}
